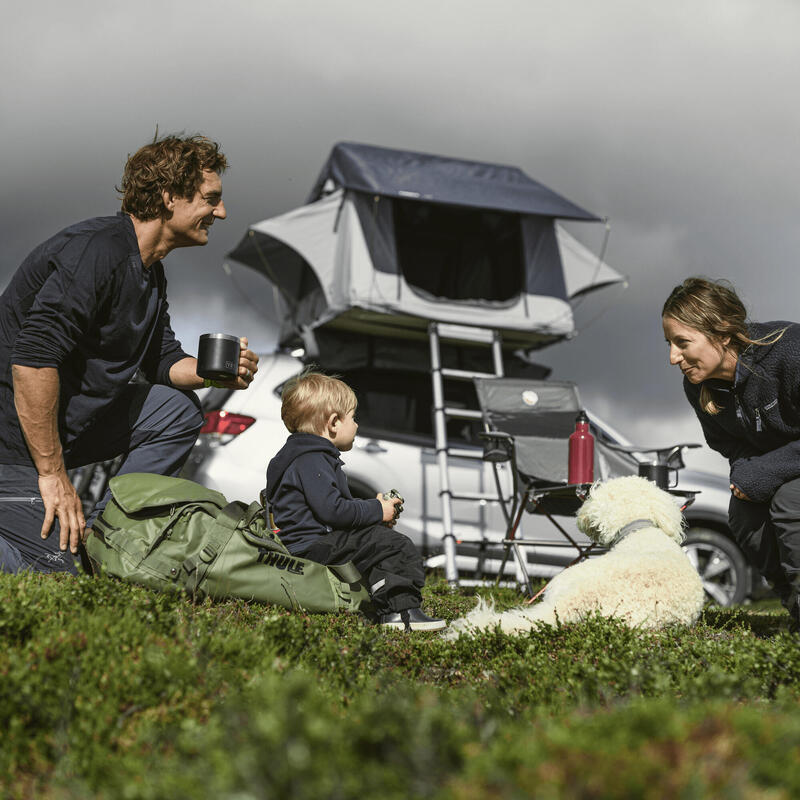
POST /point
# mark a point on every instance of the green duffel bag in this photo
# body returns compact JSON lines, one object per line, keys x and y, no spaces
{"x":175,"y":535}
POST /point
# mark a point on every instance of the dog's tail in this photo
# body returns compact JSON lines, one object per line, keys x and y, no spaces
{"x":466,"y":626}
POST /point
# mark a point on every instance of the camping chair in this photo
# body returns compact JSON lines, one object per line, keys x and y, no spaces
{"x":528,"y":424}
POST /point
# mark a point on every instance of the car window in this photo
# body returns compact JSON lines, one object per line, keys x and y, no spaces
{"x":398,"y":405}
{"x":401,"y":403}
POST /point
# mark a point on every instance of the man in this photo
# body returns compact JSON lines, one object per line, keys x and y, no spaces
{"x":84,"y":313}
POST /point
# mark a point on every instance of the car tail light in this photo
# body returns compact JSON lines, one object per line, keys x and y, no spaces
{"x":223,"y":427}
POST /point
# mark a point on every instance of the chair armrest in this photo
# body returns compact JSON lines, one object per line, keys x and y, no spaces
{"x":687,"y":494}
{"x":498,"y":446}
{"x":671,"y":456}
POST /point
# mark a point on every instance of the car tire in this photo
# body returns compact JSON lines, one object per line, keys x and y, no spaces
{"x":720,"y":564}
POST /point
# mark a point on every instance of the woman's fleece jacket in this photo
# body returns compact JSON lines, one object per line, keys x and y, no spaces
{"x":309,"y":496}
{"x":758,"y":428}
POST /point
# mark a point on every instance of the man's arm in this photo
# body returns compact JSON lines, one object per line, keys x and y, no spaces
{"x":183,"y":374}
{"x":36,"y":391}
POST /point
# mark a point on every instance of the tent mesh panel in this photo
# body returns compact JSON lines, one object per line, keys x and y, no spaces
{"x":459,"y":253}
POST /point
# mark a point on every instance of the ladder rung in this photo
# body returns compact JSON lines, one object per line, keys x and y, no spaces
{"x":488,"y":582}
{"x":454,"y":452}
{"x":465,"y":374}
{"x":463,"y":413}
{"x":465,"y":333}
{"x":491,"y":566}
{"x":551,"y":543}
{"x":489,"y":498}
{"x":474,"y":335}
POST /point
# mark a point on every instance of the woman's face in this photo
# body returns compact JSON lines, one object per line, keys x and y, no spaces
{"x":698,"y":357}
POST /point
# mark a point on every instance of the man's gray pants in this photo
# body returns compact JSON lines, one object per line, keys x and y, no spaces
{"x":769,"y":535}
{"x":155,"y":427}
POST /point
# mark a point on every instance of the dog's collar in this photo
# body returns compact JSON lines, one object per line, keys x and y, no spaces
{"x":631,"y":527}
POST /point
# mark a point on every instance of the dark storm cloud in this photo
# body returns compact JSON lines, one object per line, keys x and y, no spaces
{"x":678,"y":121}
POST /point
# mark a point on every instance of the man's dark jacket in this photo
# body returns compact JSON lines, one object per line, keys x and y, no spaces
{"x":308,"y":493}
{"x":84,"y":303}
{"x":758,"y":429}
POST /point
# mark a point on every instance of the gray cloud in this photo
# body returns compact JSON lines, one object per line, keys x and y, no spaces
{"x":678,"y":121}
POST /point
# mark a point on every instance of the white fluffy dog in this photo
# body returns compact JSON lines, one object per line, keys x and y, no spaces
{"x":644,"y":579}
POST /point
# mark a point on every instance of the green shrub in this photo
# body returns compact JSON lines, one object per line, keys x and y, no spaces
{"x":109,"y":690}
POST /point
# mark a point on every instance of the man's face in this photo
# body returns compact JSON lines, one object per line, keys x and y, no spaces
{"x":191,"y":218}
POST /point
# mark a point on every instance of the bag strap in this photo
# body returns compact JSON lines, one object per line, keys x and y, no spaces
{"x":347,"y":572}
{"x":267,"y":542}
{"x":269,"y":519}
{"x":218,"y":536}
{"x":176,"y":513}
{"x":254,"y":510}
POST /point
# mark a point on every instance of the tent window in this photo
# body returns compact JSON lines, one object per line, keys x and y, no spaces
{"x":459,"y":253}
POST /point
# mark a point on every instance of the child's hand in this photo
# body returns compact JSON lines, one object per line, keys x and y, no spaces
{"x":389,"y":507}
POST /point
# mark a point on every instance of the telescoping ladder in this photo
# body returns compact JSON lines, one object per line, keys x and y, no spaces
{"x":464,"y":334}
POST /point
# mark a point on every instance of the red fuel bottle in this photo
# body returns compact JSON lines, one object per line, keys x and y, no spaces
{"x":581,"y":452}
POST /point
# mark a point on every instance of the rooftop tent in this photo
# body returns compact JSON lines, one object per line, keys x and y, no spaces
{"x":392,"y":239}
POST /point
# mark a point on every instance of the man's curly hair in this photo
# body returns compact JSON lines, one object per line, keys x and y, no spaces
{"x":172,"y":163}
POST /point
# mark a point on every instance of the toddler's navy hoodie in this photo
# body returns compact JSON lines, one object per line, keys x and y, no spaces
{"x":308,"y":493}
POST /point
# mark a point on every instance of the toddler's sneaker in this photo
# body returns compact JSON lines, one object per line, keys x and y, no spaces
{"x":412,"y":619}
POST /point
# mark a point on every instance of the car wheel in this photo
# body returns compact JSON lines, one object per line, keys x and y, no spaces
{"x":720,"y":564}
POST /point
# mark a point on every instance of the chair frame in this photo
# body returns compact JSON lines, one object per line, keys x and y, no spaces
{"x":562,"y":499}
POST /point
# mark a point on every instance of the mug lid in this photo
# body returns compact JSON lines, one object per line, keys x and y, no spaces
{"x":227,"y":336}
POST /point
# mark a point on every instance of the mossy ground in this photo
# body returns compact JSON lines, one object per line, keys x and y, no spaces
{"x":108,"y":690}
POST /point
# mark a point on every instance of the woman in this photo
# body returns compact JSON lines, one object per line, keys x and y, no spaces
{"x":743,"y":381}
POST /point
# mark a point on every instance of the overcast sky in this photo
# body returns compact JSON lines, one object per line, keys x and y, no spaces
{"x":677,"y":120}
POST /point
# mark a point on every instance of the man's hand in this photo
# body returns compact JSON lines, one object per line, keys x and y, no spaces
{"x":738,"y":493}
{"x":183,"y":373}
{"x":248,"y":366}
{"x":61,"y":501}
{"x":36,"y":392}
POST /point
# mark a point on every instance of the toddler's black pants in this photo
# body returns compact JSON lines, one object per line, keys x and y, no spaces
{"x":388,"y":561}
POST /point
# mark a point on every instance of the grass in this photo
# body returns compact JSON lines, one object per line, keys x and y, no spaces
{"x":111,"y":691}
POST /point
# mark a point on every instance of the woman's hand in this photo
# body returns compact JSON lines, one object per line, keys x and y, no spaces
{"x":739,"y":494}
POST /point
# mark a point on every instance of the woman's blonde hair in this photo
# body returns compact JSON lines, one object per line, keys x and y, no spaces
{"x":714,"y":309}
{"x":308,"y":400}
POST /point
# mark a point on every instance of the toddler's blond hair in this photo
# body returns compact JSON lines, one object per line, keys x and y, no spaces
{"x":308,"y":400}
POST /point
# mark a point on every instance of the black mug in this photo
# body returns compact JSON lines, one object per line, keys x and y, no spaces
{"x":658,"y":473}
{"x":218,"y":357}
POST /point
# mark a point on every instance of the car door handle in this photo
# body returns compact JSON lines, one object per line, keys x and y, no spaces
{"x":372,"y":447}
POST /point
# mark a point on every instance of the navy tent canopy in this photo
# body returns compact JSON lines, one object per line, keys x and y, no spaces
{"x":436,"y":179}
{"x":390,"y":240}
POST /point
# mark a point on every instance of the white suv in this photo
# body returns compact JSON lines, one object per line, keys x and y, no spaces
{"x":394,"y":449}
